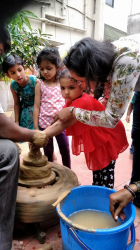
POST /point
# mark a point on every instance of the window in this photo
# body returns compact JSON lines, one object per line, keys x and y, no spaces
{"x":110,"y":3}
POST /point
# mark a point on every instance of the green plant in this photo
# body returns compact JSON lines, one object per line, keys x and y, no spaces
{"x":25,"y":43}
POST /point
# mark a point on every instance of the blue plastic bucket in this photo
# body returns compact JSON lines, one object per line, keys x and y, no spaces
{"x":75,"y":237}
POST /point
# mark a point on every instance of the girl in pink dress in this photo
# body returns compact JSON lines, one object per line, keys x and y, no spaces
{"x":48,"y":100}
{"x":101,"y":146}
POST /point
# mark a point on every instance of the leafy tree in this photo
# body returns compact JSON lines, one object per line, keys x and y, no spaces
{"x":25,"y":43}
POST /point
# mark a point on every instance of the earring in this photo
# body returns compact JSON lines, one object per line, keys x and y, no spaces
{"x":79,"y":84}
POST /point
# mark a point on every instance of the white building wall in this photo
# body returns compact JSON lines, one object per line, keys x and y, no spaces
{"x":134,"y":18}
{"x":75,"y":17}
{"x":135,"y":7}
{"x":117,"y":17}
{"x":97,"y":15}
{"x":99,"y":20}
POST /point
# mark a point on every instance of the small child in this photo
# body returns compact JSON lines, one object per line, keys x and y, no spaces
{"x":48,"y":100}
{"x":22,"y":88}
{"x":101,"y":146}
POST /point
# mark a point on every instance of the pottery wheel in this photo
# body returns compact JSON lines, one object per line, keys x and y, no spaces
{"x":40,"y":184}
{"x":35,"y":170}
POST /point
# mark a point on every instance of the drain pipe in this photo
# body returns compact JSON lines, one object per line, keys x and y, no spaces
{"x":63,"y":8}
{"x":43,"y":28}
{"x":85,"y":13}
{"x":99,"y":20}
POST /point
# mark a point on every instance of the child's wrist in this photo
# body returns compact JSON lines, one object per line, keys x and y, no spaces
{"x":72,"y":111}
{"x":74,"y":116}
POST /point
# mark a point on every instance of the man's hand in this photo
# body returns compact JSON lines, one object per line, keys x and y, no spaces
{"x":40,"y":139}
{"x":63,"y":115}
{"x":118,"y":201}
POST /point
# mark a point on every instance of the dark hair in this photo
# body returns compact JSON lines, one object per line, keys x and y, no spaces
{"x":10,"y":61}
{"x":50,"y":54}
{"x":93,"y":60}
{"x":65,"y":74}
{"x":5,"y":38}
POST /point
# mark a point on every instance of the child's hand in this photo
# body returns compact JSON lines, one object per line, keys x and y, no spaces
{"x":63,"y":115}
{"x":128,"y":118}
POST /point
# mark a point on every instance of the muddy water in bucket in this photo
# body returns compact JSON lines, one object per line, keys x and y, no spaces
{"x":93,"y":219}
{"x":77,"y":237}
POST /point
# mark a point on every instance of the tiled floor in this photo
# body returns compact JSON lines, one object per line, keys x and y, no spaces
{"x":123,"y":168}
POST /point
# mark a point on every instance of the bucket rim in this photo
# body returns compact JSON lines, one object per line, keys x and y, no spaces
{"x":119,"y":228}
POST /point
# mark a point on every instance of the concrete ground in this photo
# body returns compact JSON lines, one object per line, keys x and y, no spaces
{"x":123,"y":169}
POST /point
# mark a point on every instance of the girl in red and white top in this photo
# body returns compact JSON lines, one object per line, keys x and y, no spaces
{"x":48,"y":100}
{"x":101,"y":146}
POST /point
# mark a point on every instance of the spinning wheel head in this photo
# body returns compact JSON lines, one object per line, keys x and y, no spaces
{"x":35,"y":170}
{"x":35,"y":158}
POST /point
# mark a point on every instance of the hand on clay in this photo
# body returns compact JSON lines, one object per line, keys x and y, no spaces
{"x":40,"y":139}
{"x":118,"y":201}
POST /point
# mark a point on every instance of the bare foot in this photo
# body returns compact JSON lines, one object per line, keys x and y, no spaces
{"x":17,"y":245}
{"x":137,"y":219}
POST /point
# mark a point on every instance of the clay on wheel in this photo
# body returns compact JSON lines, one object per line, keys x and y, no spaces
{"x":35,"y":204}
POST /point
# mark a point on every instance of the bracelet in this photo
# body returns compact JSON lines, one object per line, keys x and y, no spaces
{"x":71,"y":110}
{"x":130,"y":190}
{"x":137,"y":183}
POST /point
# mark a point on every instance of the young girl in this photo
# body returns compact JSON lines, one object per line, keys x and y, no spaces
{"x":22,"y":88}
{"x":48,"y":100}
{"x":100,"y":145}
